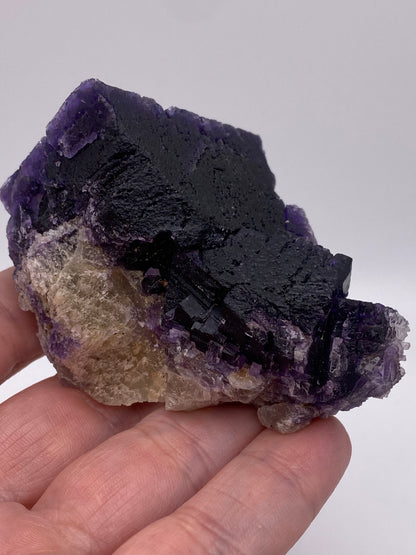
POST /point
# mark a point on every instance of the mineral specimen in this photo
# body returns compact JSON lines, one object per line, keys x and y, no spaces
{"x":162,"y":266}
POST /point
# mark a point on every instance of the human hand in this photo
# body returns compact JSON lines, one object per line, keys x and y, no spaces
{"x":79,"y":477}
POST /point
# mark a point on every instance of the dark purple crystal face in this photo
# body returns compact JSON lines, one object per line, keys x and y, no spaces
{"x":250,"y":307}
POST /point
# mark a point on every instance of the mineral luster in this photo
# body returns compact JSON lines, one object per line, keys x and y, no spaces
{"x":162,"y":266}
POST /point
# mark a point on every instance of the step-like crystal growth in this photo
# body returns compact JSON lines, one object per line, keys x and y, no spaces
{"x":162,"y":266}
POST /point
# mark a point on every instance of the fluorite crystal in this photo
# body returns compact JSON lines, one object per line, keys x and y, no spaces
{"x":162,"y":266}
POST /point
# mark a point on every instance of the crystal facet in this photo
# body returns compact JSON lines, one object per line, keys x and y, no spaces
{"x":162,"y":266}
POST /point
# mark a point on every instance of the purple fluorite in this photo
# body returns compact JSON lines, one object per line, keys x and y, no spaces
{"x":162,"y":265}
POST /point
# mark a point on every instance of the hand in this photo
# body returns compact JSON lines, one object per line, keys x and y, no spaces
{"x":78,"y":477}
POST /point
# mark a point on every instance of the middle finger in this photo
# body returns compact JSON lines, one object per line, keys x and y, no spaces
{"x":143,"y":474}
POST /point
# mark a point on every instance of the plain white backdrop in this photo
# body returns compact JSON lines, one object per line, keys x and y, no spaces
{"x":330,"y":86}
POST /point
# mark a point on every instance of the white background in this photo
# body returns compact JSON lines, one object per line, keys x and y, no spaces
{"x":331,"y":88}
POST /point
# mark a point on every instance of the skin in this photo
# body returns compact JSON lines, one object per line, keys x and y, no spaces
{"x":80,"y":477}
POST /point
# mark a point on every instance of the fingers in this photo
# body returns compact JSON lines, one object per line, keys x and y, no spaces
{"x":261,"y":502}
{"x":19,"y":344}
{"x":22,"y":533}
{"x":143,"y":474}
{"x":44,"y":428}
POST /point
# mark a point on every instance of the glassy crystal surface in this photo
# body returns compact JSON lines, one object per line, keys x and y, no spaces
{"x":162,"y":266}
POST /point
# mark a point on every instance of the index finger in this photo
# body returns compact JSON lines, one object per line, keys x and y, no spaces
{"x":260,"y":502}
{"x":19,"y":344}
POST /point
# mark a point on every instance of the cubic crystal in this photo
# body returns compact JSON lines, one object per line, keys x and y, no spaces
{"x":162,"y":266}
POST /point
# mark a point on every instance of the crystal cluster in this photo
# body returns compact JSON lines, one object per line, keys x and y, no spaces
{"x":162,"y":266}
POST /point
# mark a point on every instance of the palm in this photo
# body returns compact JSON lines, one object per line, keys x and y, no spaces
{"x":80,"y":477}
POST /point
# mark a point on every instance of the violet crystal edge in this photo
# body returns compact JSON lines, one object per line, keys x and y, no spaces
{"x":162,"y":266}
